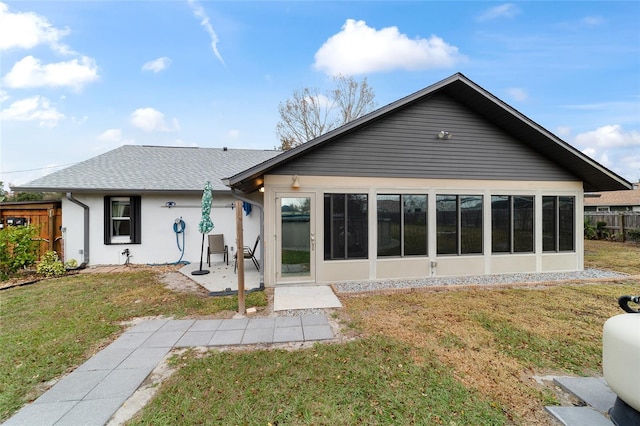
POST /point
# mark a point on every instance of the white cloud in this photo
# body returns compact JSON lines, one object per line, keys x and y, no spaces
{"x":592,"y":21}
{"x":518,"y":93}
{"x":199,"y":12}
{"x":611,"y":136}
{"x":111,"y":135}
{"x":3,"y":95}
{"x":360,"y":49}
{"x":613,"y":147}
{"x":507,"y":10}
{"x":150,"y":120}
{"x":26,"y":30}
{"x":157,"y":65}
{"x":35,"y":108}
{"x":29,"y":72}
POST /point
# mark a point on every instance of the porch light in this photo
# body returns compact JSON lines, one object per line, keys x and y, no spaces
{"x":443,"y":134}
{"x":295,"y":182}
{"x":261,"y":189}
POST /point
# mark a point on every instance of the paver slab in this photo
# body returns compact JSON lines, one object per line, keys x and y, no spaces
{"x":40,"y":414}
{"x":314,"y":320}
{"x":148,"y":326}
{"x":176,"y":325}
{"x":131,"y":340}
{"x":288,"y":322}
{"x":95,"y":412}
{"x":73,"y":387}
{"x":257,"y":335}
{"x":287,"y":334}
{"x":146,"y":358}
{"x":261,"y":323}
{"x":118,"y":383}
{"x":234,"y":324}
{"x":317,"y":332}
{"x":205,"y":325}
{"x":107,"y":359}
{"x":161,"y":339}
{"x":578,"y":416}
{"x":195,"y":338}
{"x":592,"y":390}
{"x":226,"y":337}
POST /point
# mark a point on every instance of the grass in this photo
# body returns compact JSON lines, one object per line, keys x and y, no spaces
{"x":49,"y":328}
{"x":458,"y":357}
{"x":369,"y":381}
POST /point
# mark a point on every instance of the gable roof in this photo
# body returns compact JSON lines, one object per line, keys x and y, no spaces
{"x":143,"y":168}
{"x":614,"y":198}
{"x":595,"y":177}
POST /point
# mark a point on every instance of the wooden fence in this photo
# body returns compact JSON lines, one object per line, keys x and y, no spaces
{"x":44,"y":215}
{"x":617,"y":222}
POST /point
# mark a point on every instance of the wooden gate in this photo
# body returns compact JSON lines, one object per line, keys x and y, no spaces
{"x":46,"y":216}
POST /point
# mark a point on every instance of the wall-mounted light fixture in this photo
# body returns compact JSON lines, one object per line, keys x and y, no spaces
{"x":170,"y":204}
{"x":295,"y":182}
{"x":261,"y":189}
{"x":443,"y":134}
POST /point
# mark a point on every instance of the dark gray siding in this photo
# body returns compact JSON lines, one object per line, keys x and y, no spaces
{"x":404,"y":144}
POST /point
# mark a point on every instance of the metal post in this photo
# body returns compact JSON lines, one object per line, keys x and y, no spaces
{"x":240,"y":257}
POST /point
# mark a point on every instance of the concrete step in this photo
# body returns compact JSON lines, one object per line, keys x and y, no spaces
{"x":594,"y":392}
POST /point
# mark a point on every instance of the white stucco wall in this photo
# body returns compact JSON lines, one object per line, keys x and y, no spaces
{"x":158,"y":237}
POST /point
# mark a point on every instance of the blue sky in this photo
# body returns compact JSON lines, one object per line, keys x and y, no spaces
{"x":79,"y":78}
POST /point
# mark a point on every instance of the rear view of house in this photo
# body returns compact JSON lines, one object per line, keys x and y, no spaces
{"x":447,"y":181}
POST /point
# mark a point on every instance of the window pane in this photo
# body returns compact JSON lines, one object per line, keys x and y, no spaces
{"x":471,"y":224}
{"x":357,"y":226}
{"x":388,"y":225}
{"x":415,"y":225}
{"x":523,"y":224}
{"x":121,"y":228}
{"x":447,"y":224}
{"x":566,"y":223}
{"x":500,"y":224}
{"x":548,"y":223}
{"x":334,"y":220}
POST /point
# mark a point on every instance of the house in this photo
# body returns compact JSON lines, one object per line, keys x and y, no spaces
{"x":614,"y":201}
{"x":447,"y":181}
{"x":142,"y":204}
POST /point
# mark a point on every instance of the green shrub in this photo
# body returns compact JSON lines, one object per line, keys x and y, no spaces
{"x":71,"y":264}
{"x":634,"y":234}
{"x":18,"y":248}
{"x":50,"y":265}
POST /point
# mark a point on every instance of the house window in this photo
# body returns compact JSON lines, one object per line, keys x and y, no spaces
{"x":346,"y":230}
{"x":122,"y":222}
{"x":512,"y":220}
{"x":458,"y":224}
{"x":558,"y":223}
{"x":402,"y":225}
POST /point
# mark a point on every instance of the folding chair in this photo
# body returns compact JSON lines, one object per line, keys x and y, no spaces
{"x":216,"y":246}
{"x":248,"y":253}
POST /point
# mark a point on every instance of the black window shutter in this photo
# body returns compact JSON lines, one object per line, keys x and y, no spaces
{"x":136,"y":213}
{"x":107,"y":220}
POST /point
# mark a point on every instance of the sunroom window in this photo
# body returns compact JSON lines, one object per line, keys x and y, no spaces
{"x":459,"y":224}
{"x":402,"y":225}
{"x":558,"y":223}
{"x":512,"y":221}
{"x":346,"y":228}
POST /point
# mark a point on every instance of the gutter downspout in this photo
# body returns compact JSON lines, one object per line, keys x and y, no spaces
{"x":261,"y":207}
{"x":86,"y":229}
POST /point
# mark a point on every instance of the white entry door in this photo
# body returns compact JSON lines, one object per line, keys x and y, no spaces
{"x":296,"y":239}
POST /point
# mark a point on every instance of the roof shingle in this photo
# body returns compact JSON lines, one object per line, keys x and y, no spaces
{"x":152,"y":169}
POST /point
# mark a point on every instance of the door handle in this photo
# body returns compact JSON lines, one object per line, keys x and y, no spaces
{"x":313,"y":241}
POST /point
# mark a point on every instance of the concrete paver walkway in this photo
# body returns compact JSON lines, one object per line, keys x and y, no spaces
{"x":92,"y":393}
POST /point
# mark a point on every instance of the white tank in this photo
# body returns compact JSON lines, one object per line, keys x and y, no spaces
{"x":621,"y":357}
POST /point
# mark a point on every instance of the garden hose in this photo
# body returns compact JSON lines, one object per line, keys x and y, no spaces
{"x":178,"y":228}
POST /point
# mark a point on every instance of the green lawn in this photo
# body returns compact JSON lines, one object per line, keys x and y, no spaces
{"x":458,"y":357}
{"x":49,"y":328}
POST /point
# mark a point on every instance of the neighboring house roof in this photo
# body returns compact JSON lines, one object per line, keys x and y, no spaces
{"x":142,"y":168}
{"x":614,"y":198}
{"x":594,"y":176}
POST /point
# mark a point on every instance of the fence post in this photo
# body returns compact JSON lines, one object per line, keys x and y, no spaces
{"x":622,"y":227}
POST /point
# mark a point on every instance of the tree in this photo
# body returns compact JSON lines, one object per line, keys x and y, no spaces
{"x":310,"y":113}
